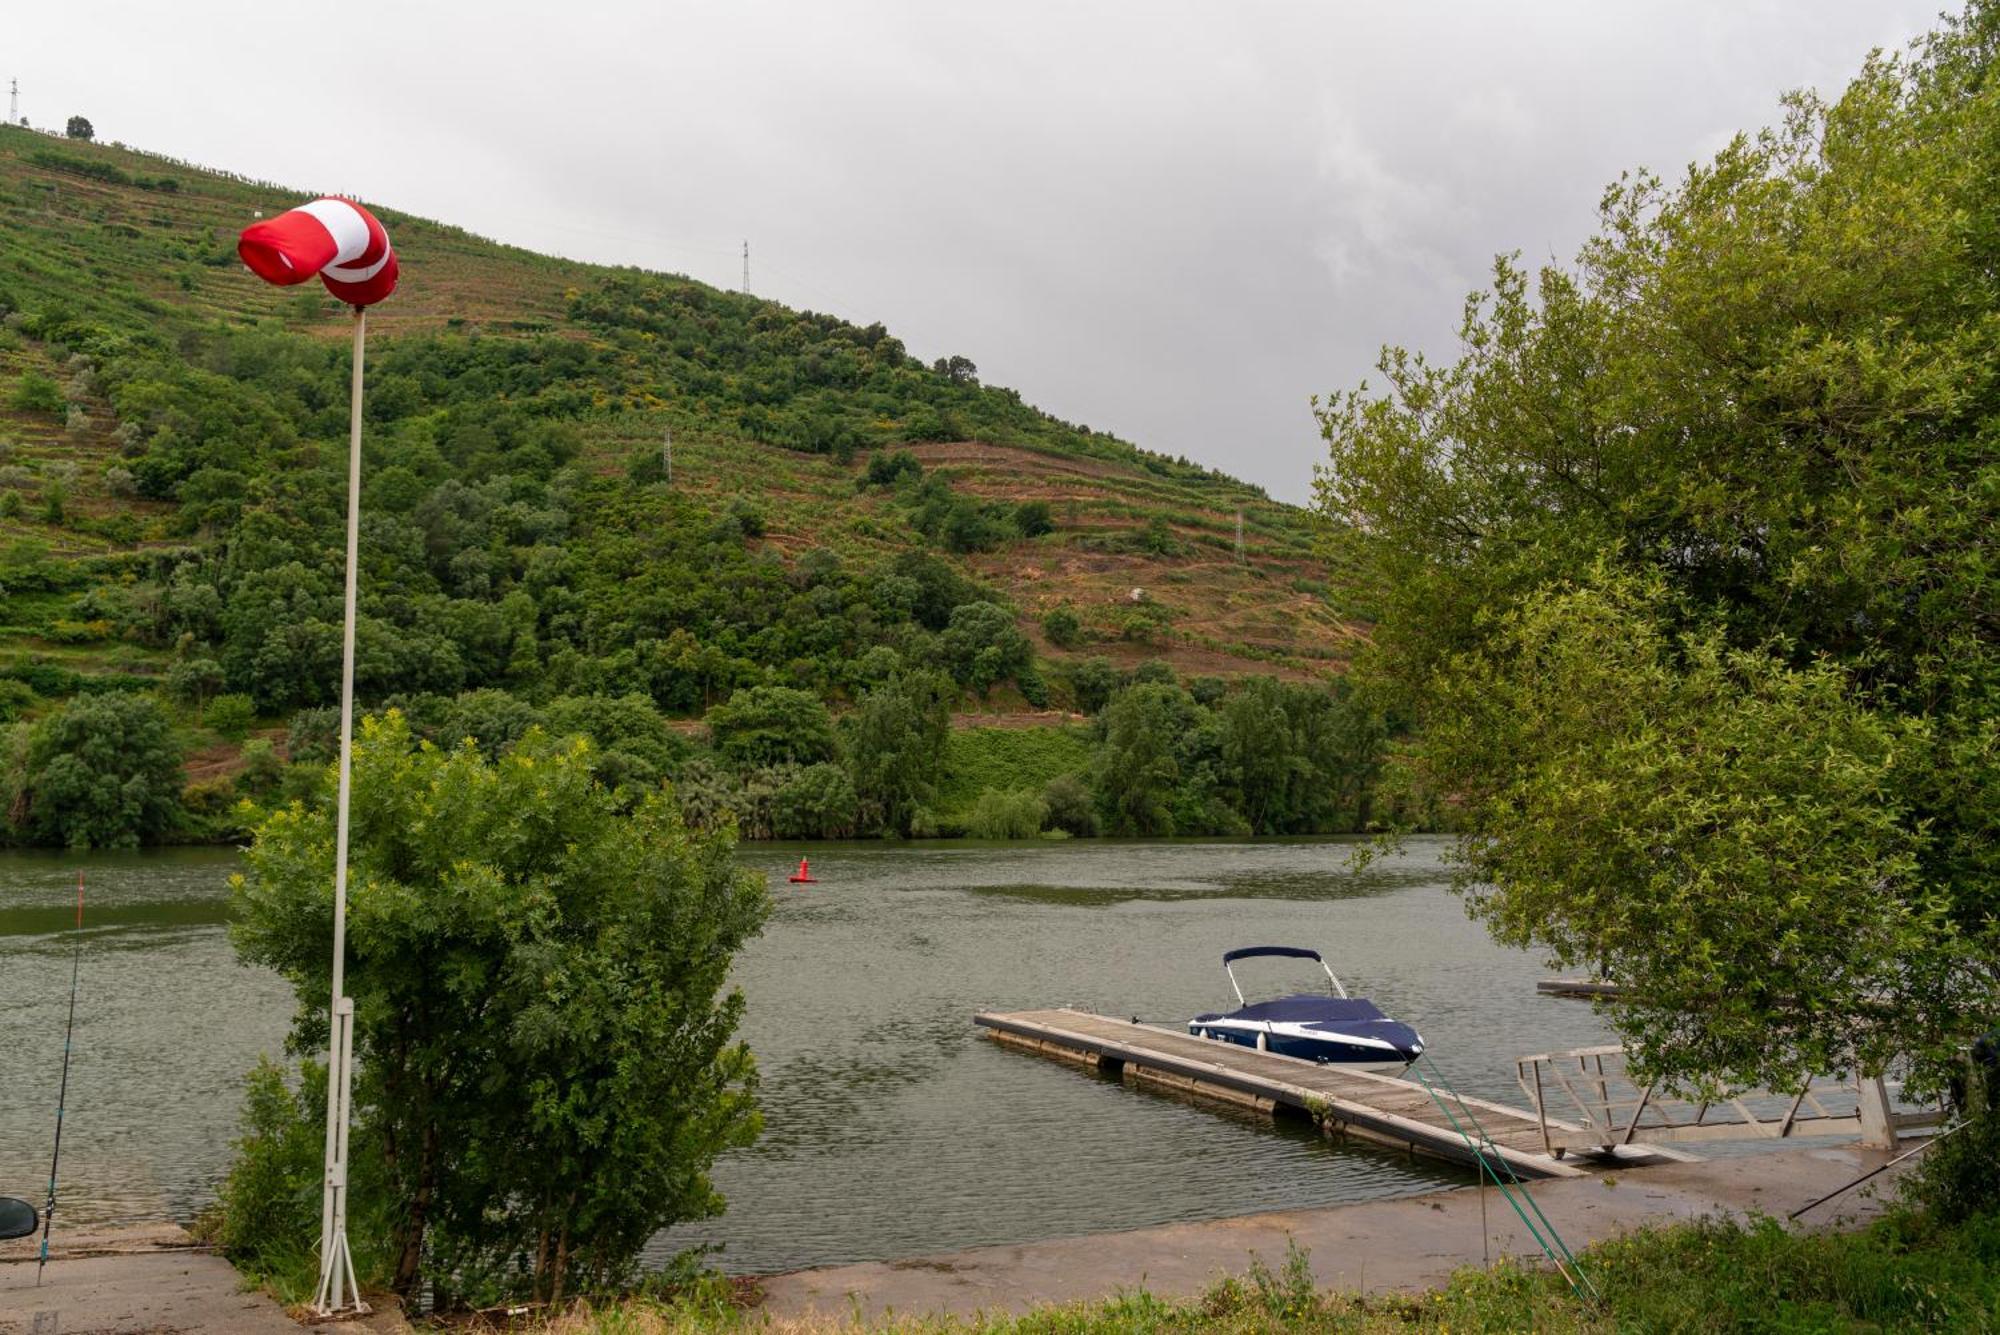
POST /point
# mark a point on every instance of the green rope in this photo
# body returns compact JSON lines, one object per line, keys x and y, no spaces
{"x":1552,"y":1245}
{"x":1488,"y":1139}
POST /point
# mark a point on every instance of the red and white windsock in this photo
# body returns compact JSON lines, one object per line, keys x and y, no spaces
{"x":334,"y":238}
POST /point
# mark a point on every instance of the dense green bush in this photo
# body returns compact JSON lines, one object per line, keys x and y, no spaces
{"x":36,"y":393}
{"x":101,"y":772}
{"x":1062,"y":627}
{"x":232,"y":715}
{"x":1070,"y":806}
{"x":544,"y":1047}
{"x":1011,"y":814}
{"x":772,"y":725}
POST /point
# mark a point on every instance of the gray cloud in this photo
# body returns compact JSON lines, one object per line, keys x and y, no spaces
{"x":1175,"y":221}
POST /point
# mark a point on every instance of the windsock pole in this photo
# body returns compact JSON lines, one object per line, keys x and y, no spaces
{"x":338,"y":1291}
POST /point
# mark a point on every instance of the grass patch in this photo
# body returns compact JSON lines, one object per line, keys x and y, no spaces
{"x":1901,"y":1274}
{"x":982,"y":760}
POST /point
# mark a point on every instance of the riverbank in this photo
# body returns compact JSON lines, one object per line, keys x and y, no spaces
{"x":1319,"y":1261}
{"x":1412,"y":1243}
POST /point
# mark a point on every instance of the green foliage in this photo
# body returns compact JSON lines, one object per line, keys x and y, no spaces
{"x":895,"y":742}
{"x":314,"y":737}
{"x":1714,"y":508}
{"x":1300,"y":760}
{"x":889,"y":467}
{"x":1009,"y":814}
{"x":36,"y":393}
{"x":1032,"y":519}
{"x":101,"y":772}
{"x":772,"y":725}
{"x":1144,"y":761}
{"x":818,"y":802}
{"x":1956,"y":1179}
{"x":191,"y":681}
{"x":232,"y":715}
{"x":634,"y":743}
{"x":983,"y":647}
{"x":1070,"y":806}
{"x":16,"y":699}
{"x":79,"y":128}
{"x":543,"y":1043}
{"x":1092,"y":683}
{"x":493,"y":720}
{"x":978,"y":760}
{"x":262,"y":769}
{"x":1062,"y":628}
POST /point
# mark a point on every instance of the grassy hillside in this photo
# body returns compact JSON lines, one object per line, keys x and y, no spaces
{"x":144,"y":248}
{"x":171,"y":487}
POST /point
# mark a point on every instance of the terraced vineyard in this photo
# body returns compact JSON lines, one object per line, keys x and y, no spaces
{"x":837,"y":513}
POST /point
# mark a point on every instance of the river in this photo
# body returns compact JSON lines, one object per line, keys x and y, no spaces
{"x":891,"y":1127}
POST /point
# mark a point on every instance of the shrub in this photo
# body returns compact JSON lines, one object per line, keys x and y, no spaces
{"x":539,"y":983}
{"x":232,"y":715}
{"x":887,"y":468}
{"x":1033,"y":519}
{"x":262,"y":769}
{"x":1062,"y":628}
{"x":1070,"y":806}
{"x":314,"y":736}
{"x":36,"y":393}
{"x":1006,"y":815}
{"x":816,"y":803}
{"x":1092,"y":682}
{"x":771,"y":725}
{"x":16,"y":698}
{"x":103,"y":772}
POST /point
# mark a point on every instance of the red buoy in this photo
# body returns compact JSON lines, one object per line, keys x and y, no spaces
{"x":803,"y":876}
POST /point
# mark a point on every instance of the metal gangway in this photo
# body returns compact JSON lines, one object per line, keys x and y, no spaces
{"x":1587,"y":1099}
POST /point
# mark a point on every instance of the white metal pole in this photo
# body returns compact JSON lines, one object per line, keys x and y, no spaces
{"x":335,"y":1265}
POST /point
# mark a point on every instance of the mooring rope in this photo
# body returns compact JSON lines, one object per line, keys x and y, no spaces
{"x":1552,"y":1244}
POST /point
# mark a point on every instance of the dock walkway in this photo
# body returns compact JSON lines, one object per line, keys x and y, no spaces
{"x":1365,"y":1105}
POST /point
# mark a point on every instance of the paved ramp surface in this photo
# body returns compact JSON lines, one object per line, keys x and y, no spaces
{"x":134,"y":1280}
{"x":1411,"y":1243}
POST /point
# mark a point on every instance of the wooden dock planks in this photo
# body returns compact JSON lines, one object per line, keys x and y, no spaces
{"x":1364,"y":1104}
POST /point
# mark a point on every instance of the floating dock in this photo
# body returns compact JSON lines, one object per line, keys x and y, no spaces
{"x":1344,"y":1103}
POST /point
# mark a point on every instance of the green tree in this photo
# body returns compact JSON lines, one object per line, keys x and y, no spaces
{"x":634,"y":743}
{"x":1070,"y":806}
{"x":545,"y":1056}
{"x":80,"y":128}
{"x":1705,"y":525}
{"x":102,"y":772}
{"x":1139,"y":769}
{"x":772,"y":725}
{"x":1032,"y":519}
{"x":983,"y":646}
{"x":1062,"y":628}
{"x":816,"y":803}
{"x":1093,"y":682}
{"x":491,"y":719}
{"x":895,"y":746}
{"x":232,"y":715}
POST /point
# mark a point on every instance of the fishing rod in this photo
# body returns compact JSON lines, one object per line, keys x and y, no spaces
{"x":62,"y":1096}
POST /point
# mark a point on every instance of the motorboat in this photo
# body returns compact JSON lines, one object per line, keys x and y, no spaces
{"x":1329,"y":1027}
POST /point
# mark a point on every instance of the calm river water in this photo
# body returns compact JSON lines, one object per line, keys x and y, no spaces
{"x":892,"y":1128}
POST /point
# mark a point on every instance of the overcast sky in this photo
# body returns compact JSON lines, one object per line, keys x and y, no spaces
{"x":1176,"y":222}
